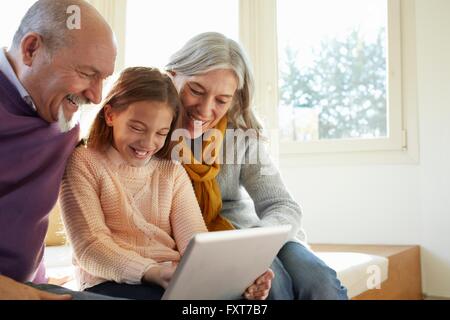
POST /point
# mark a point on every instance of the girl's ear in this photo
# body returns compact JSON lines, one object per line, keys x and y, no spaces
{"x":172,"y":75}
{"x":178,"y":79}
{"x":109,"y":115}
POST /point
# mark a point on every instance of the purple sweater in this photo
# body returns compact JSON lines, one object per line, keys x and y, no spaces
{"x":33,"y":154}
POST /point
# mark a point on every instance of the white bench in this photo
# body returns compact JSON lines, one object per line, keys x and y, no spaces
{"x":58,"y":264}
{"x":358,"y":272}
{"x":404,"y":278}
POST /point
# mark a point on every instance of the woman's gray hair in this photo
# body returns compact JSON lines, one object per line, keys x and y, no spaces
{"x":48,"y":18}
{"x":211,"y":51}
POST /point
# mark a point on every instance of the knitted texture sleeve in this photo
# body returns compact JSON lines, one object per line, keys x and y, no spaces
{"x":95,"y":250}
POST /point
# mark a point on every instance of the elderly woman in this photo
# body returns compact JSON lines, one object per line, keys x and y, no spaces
{"x":213,"y":77}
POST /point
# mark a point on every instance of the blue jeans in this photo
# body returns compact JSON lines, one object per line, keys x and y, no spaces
{"x":76,"y":295}
{"x":129,"y":291}
{"x":301,"y":275}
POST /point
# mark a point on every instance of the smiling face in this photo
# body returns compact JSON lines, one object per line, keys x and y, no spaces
{"x":71,"y":80}
{"x":205,"y":99}
{"x":61,"y":80}
{"x":140,"y":130}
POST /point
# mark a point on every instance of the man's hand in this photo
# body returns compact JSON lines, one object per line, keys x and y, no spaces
{"x":259,"y":290}
{"x":160,"y":273}
{"x":13,"y":290}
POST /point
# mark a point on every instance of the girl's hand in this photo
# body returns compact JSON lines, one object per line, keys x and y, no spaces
{"x":259,"y":290}
{"x":160,"y":273}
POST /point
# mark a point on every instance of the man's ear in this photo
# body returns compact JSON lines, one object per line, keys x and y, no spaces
{"x":30,"y":45}
{"x":108,"y":114}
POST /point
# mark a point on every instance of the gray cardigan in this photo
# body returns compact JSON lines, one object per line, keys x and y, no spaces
{"x":253,"y":193}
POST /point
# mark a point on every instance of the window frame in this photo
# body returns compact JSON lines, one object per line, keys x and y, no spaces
{"x":258,"y":30}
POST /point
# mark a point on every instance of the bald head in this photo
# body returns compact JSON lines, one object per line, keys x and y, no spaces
{"x":62,"y":53}
{"x":51,"y":20}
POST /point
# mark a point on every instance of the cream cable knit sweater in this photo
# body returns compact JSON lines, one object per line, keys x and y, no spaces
{"x":122,"y":219}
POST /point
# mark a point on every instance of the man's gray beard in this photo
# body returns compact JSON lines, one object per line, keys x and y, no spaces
{"x":67,"y":125}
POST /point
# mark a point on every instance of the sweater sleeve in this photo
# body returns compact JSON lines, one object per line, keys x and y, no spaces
{"x":185,"y":217}
{"x":94,"y":248}
{"x":273,"y":203}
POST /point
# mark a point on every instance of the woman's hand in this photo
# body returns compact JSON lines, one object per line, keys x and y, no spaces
{"x":259,"y":290}
{"x":160,"y":273}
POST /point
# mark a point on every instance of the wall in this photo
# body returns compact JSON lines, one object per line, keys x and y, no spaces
{"x":395,"y":203}
{"x":433,"y":52}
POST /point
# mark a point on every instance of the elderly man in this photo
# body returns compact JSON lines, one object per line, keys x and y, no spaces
{"x":54,"y":65}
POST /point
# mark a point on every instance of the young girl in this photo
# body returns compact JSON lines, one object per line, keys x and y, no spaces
{"x":130,"y":211}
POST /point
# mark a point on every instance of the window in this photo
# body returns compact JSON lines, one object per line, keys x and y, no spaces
{"x":10,"y":19}
{"x":337,"y":85}
{"x":332,"y":81}
{"x":156,"y":29}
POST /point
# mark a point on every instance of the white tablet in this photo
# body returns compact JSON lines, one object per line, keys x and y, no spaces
{"x":221,"y":265}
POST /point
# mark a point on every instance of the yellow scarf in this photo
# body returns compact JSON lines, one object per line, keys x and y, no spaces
{"x":203,"y":176}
